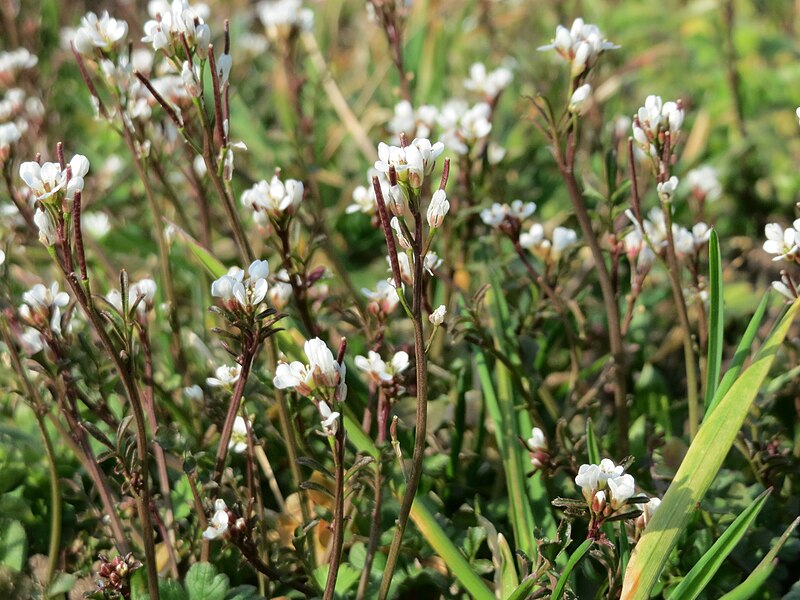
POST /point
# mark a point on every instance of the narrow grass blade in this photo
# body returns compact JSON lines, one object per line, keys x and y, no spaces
{"x":508,"y":569}
{"x":211,"y":264}
{"x":761,"y":573}
{"x":524,"y":590}
{"x":592,"y":449}
{"x":699,"y":467}
{"x":424,"y":520}
{"x":573,"y":561}
{"x":704,"y":570}
{"x":715,"y":319}
{"x":741,"y":354}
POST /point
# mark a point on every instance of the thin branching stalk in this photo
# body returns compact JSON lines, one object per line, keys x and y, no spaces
{"x":250,"y":351}
{"x":422,"y":409}
{"x":338,"y":514}
{"x":374,"y":532}
{"x":566,"y":164}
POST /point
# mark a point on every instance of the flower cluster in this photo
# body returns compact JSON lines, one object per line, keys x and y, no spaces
{"x":649,"y":238}
{"x":581,"y":45}
{"x":380,"y":372}
{"x":364,"y":200}
{"x":594,"y":480}
{"x":322,"y":378}
{"x":653,"y":124}
{"x":411,"y":163}
{"x":464,"y":126}
{"x":238,"y":292}
{"x":173,"y":22}
{"x":141,"y":294}
{"x":704,"y":183}
{"x":488,"y":84}
{"x":42,"y":307}
{"x":417,"y":123}
{"x":784,"y":244}
{"x":225,"y":376}
{"x":383,"y":300}
{"x":283,"y":19}
{"x":274,"y":199}
{"x":100,"y":35}
{"x":535,"y":241}
{"x":14,"y":61}
{"x":45,"y":181}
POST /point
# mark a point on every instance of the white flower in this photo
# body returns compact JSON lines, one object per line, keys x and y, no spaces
{"x":96,"y":224}
{"x":498,"y":213}
{"x":537,"y":440}
{"x":463,"y":126}
{"x":783,"y":243}
{"x":218,"y":524}
{"x":437,"y":316}
{"x":701,"y":233}
{"x":648,"y":510}
{"x":488,"y":84}
{"x":246,"y":293}
{"x":9,"y":134}
{"x":2,"y":258}
{"x":47,"y":227}
{"x":581,"y":100}
{"x":238,"y":441}
{"x":13,"y":61}
{"x":593,"y":477}
{"x":621,"y":488}
{"x":704,"y":183}
{"x":194,"y":393}
{"x":534,"y":238}
{"x":667,"y":189}
{"x":581,"y":45}
{"x":173,"y":20}
{"x":402,"y":240}
{"x":431,"y":261}
{"x":106,"y":33}
{"x":322,"y":371}
{"x":363,"y":201}
{"x":377,"y":370}
{"x":653,"y":121}
{"x":437,"y":209}
{"x":226,"y":376}
{"x":282,"y":17}
{"x":383,"y":300}
{"x":146,"y":288}
{"x":280,"y":291}
{"x":563,"y":237}
{"x":797,"y":112}
{"x":190,"y":75}
{"x":276,"y":198}
{"x":43,"y":180}
{"x":330,"y":419}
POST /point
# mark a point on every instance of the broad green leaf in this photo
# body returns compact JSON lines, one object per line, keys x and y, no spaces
{"x":139,"y":589}
{"x":203,"y":582}
{"x":171,"y":590}
{"x":573,"y":561}
{"x":715,"y":319}
{"x":699,"y":467}
{"x":761,"y":573}
{"x":13,"y":544}
{"x":346,"y":578}
{"x":244,"y":592}
{"x":704,"y":570}
{"x":62,"y":584}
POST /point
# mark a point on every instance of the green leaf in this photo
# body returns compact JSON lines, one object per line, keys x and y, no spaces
{"x":715,"y":319}
{"x":573,"y":561}
{"x":139,"y":589}
{"x":211,"y":264}
{"x":699,"y":467}
{"x":171,"y":590}
{"x":244,"y":592}
{"x":704,"y":570}
{"x":62,"y":584}
{"x":592,"y":448}
{"x":761,"y":573}
{"x":13,"y":544}
{"x":203,"y":582}
{"x":345,"y":579}
{"x":524,"y":589}
{"x":508,"y":568}
{"x":741,"y":354}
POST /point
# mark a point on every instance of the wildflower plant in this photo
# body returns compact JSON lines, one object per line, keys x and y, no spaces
{"x":511,"y":361}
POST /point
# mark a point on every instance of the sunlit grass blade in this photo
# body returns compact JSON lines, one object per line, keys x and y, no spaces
{"x":592,"y":449}
{"x":210,"y":263}
{"x":699,"y":467}
{"x":761,"y":573}
{"x":741,"y":354}
{"x":573,"y":561}
{"x":424,"y":520}
{"x":715,"y":319}
{"x":524,"y":589}
{"x":704,"y":570}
